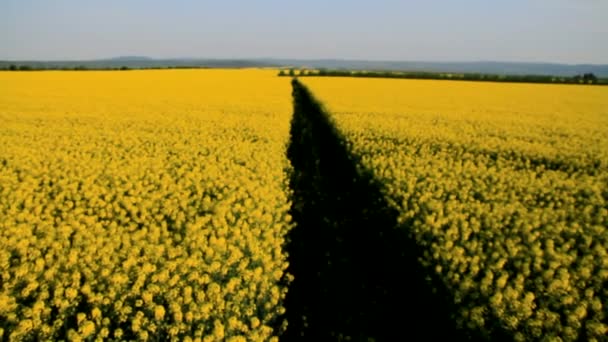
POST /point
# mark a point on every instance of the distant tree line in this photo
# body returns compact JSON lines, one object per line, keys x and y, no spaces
{"x":36,"y":67}
{"x":28,"y":67}
{"x":587,"y":78}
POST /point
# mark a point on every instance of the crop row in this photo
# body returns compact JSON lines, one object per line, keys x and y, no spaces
{"x":505,"y":192}
{"x":143,"y":205}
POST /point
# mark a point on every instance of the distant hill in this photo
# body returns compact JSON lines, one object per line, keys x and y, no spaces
{"x":138,"y":62}
{"x":485,"y":67}
{"x":130,"y":59}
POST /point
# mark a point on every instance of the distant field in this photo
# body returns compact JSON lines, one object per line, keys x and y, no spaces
{"x":584,"y":79}
{"x":503,"y":186}
{"x":143,"y":204}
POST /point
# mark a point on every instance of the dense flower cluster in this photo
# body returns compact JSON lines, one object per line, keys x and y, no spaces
{"x":504,"y":186}
{"x":143,"y":205}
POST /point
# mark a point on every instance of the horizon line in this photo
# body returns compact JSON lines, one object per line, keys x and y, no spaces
{"x":345,"y":59}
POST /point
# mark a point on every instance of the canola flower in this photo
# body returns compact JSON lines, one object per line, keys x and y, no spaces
{"x":504,"y":186}
{"x":143,"y":204}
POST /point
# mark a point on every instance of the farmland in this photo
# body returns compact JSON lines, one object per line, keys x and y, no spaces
{"x":503,"y":189}
{"x":143,"y":205}
{"x":213,"y":205}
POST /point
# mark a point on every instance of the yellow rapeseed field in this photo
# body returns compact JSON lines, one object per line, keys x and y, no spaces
{"x":143,"y":204}
{"x":505,"y":186}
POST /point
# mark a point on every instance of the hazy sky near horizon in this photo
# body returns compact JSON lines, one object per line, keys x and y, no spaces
{"x":566,"y":31}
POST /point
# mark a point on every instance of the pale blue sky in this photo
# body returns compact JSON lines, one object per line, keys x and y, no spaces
{"x":569,"y":31}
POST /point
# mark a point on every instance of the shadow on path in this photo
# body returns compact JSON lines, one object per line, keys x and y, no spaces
{"x":355,"y":275}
